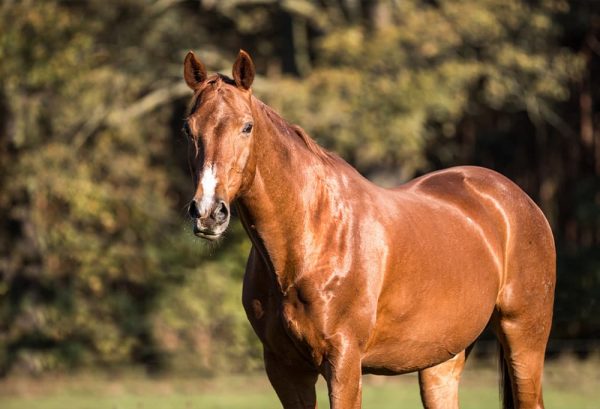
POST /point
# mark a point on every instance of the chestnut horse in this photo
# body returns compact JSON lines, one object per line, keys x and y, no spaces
{"x":346,"y":278}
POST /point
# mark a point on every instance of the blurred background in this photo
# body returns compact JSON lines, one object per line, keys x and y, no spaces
{"x":99,"y":270}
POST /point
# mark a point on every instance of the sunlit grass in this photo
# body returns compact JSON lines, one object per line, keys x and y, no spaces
{"x":569,"y":383}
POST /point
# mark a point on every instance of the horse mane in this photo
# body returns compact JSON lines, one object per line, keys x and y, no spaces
{"x":292,"y":129}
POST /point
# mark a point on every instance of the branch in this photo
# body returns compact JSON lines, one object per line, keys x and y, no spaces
{"x":119,"y":117}
{"x":147,"y":103}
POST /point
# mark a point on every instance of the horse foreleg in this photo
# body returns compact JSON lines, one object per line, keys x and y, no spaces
{"x":344,"y":378}
{"x":294,"y":386}
{"x":439,"y":384}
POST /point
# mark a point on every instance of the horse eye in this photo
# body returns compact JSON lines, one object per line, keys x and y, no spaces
{"x":186,"y":130}
{"x":247,"y":128}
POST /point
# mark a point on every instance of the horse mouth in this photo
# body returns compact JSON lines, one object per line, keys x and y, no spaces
{"x":207,"y":235}
{"x":206,"y":232}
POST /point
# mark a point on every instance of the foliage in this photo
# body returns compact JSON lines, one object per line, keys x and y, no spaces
{"x":97,"y":267}
{"x":379,"y":97}
{"x":199,"y":322}
{"x":88,"y":199}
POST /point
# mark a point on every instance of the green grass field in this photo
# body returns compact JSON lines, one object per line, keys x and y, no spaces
{"x":568,"y":384}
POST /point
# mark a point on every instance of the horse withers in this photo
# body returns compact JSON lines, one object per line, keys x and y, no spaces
{"x":346,"y":278}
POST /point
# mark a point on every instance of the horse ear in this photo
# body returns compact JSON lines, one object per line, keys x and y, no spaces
{"x":194,"y":71}
{"x":243,"y":70}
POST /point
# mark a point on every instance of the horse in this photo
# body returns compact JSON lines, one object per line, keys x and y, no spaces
{"x":346,"y":278}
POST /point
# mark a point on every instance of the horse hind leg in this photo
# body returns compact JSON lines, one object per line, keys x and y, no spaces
{"x":522,"y":322}
{"x":439,"y":384}
{"x":523,"y":343}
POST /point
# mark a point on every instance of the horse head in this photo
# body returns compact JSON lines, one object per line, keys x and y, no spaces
{"x":220,"y":129}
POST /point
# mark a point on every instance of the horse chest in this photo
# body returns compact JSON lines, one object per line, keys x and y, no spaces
{"x":297,"y":324}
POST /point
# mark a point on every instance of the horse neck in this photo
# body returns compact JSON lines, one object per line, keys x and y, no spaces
{"x":283,"y":196}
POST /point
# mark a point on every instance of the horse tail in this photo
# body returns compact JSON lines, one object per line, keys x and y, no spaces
{"x":506,"y":392}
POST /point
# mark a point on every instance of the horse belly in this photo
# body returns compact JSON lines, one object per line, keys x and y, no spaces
{"x":434,"y":304}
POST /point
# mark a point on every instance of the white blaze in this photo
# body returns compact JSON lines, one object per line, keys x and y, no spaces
{"x":209,"y":183}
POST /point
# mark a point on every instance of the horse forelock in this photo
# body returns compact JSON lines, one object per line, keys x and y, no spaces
{"x":212,"y":83}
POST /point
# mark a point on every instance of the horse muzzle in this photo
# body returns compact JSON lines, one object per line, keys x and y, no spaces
{"x":209,"y":222}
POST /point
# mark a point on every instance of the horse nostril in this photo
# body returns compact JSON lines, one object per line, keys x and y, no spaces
{"x":221,"y":212}
{"x":193,"y":210}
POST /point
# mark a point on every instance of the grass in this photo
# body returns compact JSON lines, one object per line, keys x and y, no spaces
{"x":568,"y":383}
